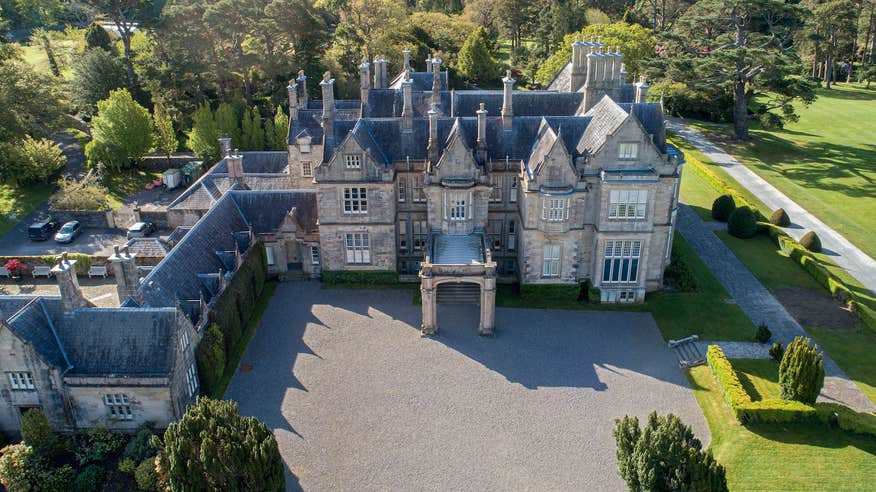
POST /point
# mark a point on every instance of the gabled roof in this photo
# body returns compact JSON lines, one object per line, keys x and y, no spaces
{"x":33,"y":325}
{"x":147,"y":246}
{"x":561,"y":79}
{"x":606,"y":117}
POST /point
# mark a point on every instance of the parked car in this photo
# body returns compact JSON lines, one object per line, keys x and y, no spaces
{"x":68,"y":232}
{"x":140,"y":229}
{"x":41,"y":230}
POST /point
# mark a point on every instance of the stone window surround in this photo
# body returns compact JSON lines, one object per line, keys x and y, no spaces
{"x":628,"y":150}
{"x":353,"y":161}
{"x":621,"y":265}
{"x":306,"y":169}
{"x":497,"y":182}
{"x":269,"y":255}
{"x":20,"y":380}
{"x":192,"y":379}
{"x":554,"y":209}
{"x":357,"y":246}
{"x":458,"y":205}
{"x":314,"y":255}
{"x":551,"y":258}
{"x":354,"y":201}
{"x":119,"y":406}
{"x":622,"y":202}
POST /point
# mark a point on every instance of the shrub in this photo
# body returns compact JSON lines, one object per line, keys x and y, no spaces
{"x":665,"y":455}
{"x":780,"y":218}
{"x":127,"y":465}
{"x":38,"y":160}
{"x":15,"y":266}
{"x":801,"y":373}
{"x":722,"y":207}
{"x":85,"y":194}
{"x":763,"y":334}
{"x":36,"y":431}
{"x":679,"y":275}
{"x":539,"y":293}
{"x":23,"y":469}
{"x":146,"y":476}
{"x":369,"y":277}
{"x":211,"y":357}
{"x":140,"y":446}
{"x":89,"y":479}
{"x":811,"y":242}
{"x":776,"y":351}
{"x":236,"y":302}
{"x":97,"y":37}
{"x":742,"y":223}
{"x":594,"y":295}
{"x":96,"y":444}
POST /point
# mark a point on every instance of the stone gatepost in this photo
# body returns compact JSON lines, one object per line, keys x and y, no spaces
{"x":429,"y":325}
{"x":488,"y":307}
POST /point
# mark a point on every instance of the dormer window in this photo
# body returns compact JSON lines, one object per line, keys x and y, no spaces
{"x":353,"y":161}
{"x":628,"y":150}
{"x":304,"y":147}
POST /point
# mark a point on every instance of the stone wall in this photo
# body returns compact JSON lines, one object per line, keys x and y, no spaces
{"x":149,"y":399}
{"x":88,"y":218}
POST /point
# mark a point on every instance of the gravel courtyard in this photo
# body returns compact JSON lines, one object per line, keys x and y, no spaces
{"x":359,"y":401}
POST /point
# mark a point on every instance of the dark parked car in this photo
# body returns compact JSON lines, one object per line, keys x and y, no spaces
{"x":69,"y":231}
{"x":141,"y":229}
{"x":42,"y":230}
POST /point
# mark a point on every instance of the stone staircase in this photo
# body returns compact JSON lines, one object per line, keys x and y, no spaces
{"x":687,"y":352}
{"x":293,"y":275}
{"x":462,"y":293}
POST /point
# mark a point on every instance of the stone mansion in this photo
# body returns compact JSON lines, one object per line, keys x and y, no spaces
{"x":456,"y":190}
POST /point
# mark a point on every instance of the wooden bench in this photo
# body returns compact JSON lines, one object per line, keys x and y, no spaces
{"x":5,"y":273}
{"x":42,"y":271}
{"x":97,"y":271}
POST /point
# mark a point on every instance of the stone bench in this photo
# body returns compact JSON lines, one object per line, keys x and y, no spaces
{"x":5,"y":273}
{"x":42,"y":271}
{"x":97,"y":271}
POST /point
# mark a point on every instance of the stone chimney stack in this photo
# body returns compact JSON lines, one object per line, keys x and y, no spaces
{"x":364,"y":81}
{"x":328,"y":97}
{"x":579,"y":73}
{"x":125,"y":272}
{"x":292,"y":91}
{"x":234,"y":161}
{"x":407,"y":63}
{"x":641,"y":90}
{"x":384,"y":79}
{"x":429,"y":64}
{"x":407,"y":102}
{"x":482,"y":133}
{"x":432,"y":149}
{"x":436,"y":81}
{"x":225,"y":146}
{"x":377,"y":78}
{"x":302,"y":83}
{"x":507,"y":99}
{"x":68,"y":283}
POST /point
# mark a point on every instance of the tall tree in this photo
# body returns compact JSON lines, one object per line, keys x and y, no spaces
{"x":41,"y":36}
{"x":165,"y":134}
{"x":801,"y":372}
{"x":745,"y":48}
{"x":835,"y":25}
{"x":213,"y":448}
{"x":281,"y":129}
{"x":95,"y":74}
{"x":228,"y":123}
{"x":475,"y":62}
{"x":124,"y":14}
{"x":97,"y":37}
{"x":123,"y":123}
{"x":32,"y":102}
{"x":202,"y":137}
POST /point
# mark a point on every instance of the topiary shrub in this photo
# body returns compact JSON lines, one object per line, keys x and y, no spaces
{"x":780,"y":218}
{"x":722,"y":207}
{"x":811,"y":242}
{"x":776,"y":351}
{"x":763,"y":334}
{"x":801,"y":373}
{"x":678,"y":274}
{"x":742,"y":223}
{"x":90,"y":479}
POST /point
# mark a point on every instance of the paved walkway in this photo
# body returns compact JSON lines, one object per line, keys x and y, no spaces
{"x":760,"y":305}
{"x":844,"y":253}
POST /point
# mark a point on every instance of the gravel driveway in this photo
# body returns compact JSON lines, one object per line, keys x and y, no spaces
{"x":359,"y":401}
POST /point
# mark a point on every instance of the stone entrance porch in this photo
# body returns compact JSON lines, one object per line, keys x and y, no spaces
{"x":458,"y":259}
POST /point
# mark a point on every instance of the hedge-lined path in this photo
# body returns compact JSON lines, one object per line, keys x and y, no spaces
{"x":761,"y":307}
{"x":841,"y":251}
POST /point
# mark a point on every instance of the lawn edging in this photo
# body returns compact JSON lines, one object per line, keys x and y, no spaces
{"x":722,"y":187}
{"x":775,"y":410}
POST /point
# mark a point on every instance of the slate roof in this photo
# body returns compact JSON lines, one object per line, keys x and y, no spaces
{"x":458,"y":249}
{"x":10,"y":305}
{"x":266,"y":210}
{"x":422,"y":81}
{"x":33,"y":324}
{"x":561,"y":79}
{"x":258,"y":163}
{"x":178,"y":234}
{"x":147,"y":246}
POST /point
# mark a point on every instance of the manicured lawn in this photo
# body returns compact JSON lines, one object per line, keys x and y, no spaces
{"x":18,"y":201}
{"x":678,"y":314}
{"x":121,"y":184}
{"x":855,"y":352}
{"x":759,"y":376}
{"x":824,"y":161}
{"x":782,"y":457}
{"x":768,"y":263}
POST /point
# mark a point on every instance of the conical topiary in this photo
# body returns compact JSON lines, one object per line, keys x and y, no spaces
{"x":722,"y":207}
{"x":811,"y":241}
{"x":780,"y":218}
{"x":801,"y":373}
{"x":742,"y":223}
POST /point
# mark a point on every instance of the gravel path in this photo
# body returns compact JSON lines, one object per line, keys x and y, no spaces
{"x":843,"y":252}
{"x":761,"y":307}
{"x":359,"y":400}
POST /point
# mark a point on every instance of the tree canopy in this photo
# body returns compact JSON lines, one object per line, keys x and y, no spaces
{"x":123,"y":125}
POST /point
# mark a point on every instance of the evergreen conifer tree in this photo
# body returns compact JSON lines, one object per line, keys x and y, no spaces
{"x":202,"y":139}
{"x":801,"y":373}
{"x":227,"y":123}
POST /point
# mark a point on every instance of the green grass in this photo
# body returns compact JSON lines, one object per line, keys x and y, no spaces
{"x":678,"y":314}
{"x":824,"y":161}
{"x":760,"y":377}
{"x":64,"y":50}
{"x":18,"y":201}
{"x":855,"y":352}
{"x":782,"y":457}
{"x":768,"y":263}
{"x":128,"y":181}
{"x":234,"y":357}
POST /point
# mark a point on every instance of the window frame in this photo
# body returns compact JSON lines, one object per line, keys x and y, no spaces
{"x":269,"y":256}
{"x":628,"y":204}
{"x":512,"y":194}
{"x":418,"y":195}
{"x":314,"y":256}
{"x":628,"y":156}
{"x":622,"y":259}
{"x":192,"y":379}
{"x":119,"y":406}
{"x":354,"y":200}
{"x":357,"y":248}
{"x":21,"y":380}
{"x":402,"y":188}
{"x":554,"y":209}
{"x":457,"y":206}
{"x":306,"y":169}
{"x":353,"y":161}
{"x":551,"y":257}
{"x":496,"y":182}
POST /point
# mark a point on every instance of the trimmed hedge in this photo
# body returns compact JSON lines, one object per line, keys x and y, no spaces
{"x":719,"y":184}
{"x":742,"y":223}
{"x":811,"y":242}
{"x":367,"y":277}
{"x":780,"y":218}
{"x":774,"y":410}
{"x":559,"y":292}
